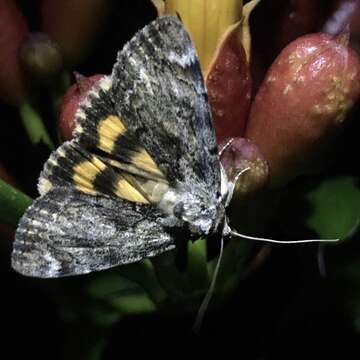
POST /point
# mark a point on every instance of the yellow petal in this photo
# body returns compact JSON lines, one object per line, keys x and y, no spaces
{"x":245,"y":35}
{"x":160,"y":6}
{"x":206,"y":21}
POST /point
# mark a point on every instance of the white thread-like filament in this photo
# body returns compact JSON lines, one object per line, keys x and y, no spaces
{"x":210,"y":292}
{"x":282,"y":242}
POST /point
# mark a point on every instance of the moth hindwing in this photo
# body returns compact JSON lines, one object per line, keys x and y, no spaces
{"x":143,"y":160}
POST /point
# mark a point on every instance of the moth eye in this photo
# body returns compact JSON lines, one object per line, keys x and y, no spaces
{"x":179,"y":209}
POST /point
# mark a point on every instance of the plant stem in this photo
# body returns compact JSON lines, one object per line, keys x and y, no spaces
{"x":197,"y":266}
{"x":143,"y":273}
{"x":170,"y":278}
{"x":34,"y":126}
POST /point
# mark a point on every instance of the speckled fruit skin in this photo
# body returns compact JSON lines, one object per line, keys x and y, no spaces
{"x":302,"y":102}
{"x":71,"y":100}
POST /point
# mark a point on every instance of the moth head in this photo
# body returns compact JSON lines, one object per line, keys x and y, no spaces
{"x":201,"y":213}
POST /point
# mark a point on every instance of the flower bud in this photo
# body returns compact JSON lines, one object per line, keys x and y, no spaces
{"x":242,"y":154}
{"x":72,"y":98}
{"x":302,"y":103}
{"x":221,"y":35}
{"x":277,"y":23}
{"x":40,"y":58}
{"x":74,"y":25}
{"x":13,"y":29}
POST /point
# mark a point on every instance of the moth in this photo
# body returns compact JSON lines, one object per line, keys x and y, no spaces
{"x":143,"y":163}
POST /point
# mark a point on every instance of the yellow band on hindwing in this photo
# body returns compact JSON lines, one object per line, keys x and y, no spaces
{"x":84,"y":174}
{"x":109,"y":130}
{"x":144,"y":161}
{"x":129,"y":177}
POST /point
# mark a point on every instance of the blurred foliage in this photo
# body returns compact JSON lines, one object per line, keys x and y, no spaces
{"x":13,"y":204}
{"x":335,"y":207}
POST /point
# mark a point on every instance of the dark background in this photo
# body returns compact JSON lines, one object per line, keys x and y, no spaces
{"x":284,"y":309}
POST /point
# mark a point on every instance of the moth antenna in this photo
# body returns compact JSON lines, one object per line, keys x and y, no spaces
{"x":205,"y":303}
{"x":225,"y":147}
{"x":239,"y":174}
{"x":232,"y":184}
{"x":235,"y":233}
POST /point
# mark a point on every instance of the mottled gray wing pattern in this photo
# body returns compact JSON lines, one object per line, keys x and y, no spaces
{"x":159,"y":92}
{"x":67,"y":232}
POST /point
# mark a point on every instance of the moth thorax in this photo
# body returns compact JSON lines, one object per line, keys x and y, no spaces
{"x":155,"y":190}
{"x":168,"y":201}
{"x":199,"y":214}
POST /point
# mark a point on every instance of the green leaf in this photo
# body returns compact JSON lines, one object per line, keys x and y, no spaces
{"x":34,"y":126}
{"x":118,"y":296}
{"x":335,"y":207}
{"x":110,"y":284}
{"x":144,"y":274}
{"x":13,"y":203}
{"x":136,"y":303}
{"x":234,"y":262}
{"x":104,"y":316}
{"x":175,"y":283}
{"x":97,"y":349}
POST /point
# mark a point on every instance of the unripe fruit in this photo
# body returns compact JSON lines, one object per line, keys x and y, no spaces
{"x":40,"y":58}
{"x":302,"y":102}
{"x":71,"y":101}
